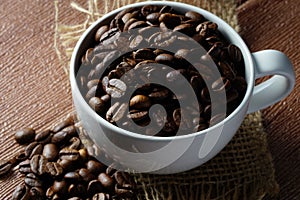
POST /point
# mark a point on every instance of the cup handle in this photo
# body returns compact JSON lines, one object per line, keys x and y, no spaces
{"x":271,"y":62}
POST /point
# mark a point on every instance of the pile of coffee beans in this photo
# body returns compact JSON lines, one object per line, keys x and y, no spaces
{"x":143,"y":47}
{"x":56,"y":165}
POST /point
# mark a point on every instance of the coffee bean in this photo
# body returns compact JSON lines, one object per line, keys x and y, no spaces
{"x":74,"y":198}
{"x":169,"y":19}
{"x":77,"y":190}
{"x":59,"y":187}
{"x":38,"y":164}
{"x":95,"y":167}
{"x":75,"y":143}
{"x":94,"y":187}
{"x":99,"y":196}
{"x":25,"y":136}
{"x":227,"y":70}
{"x":194,"y":16}
{"x":24,"y":167}
{"x":44,"y":136}
{"x":144,"y":54}
{"x":129,"y":23}
{"x":83,"y":153}
{"x":146,"y":10}
{"x":54,"y":169}
{"x":165,"y":58}
{"x":69,"y":154}
{"x":153,"y":17}
{"x":60,"y":137}
{"x":38,"y":149}
{"x":137,"y":115}
{"x":100,"y":32}
{"x":221,"y":84}
{"x":140,"y":102}
{"x":234,"y":53}
{"x":29,"y":148}
{"x":187,"y":29}
{"x":72,"y":176}
{"x":86,"y":175}
{"x":123,"y":193}
{"x":136,"y":42}
{"x":106,"y":181}
{"x":50,"y":152}
{"x":32,"y":180}
{"x":67,"y":165}
{"x":159,"y":94}
{"x":240,"y":84}
{"x":21,"y":193}
{"x":67,"y":122}
{"x":36,"y":193}
{"x":5,"y":167}
{"x":116,"y":88}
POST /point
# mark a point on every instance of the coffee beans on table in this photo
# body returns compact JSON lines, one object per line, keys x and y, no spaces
{"x":146,"y":56}
{"x":60,"y":167}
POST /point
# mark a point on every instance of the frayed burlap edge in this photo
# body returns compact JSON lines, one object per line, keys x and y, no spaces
{"x":243,"y":170}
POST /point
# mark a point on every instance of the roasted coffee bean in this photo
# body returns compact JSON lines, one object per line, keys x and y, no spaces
{"x":99,"y":196}
{"x":165,"y":58}
{"x":59,"y":187}
{"x":25,"y":136}
{"x":67,"y":122}
{"x":95,"y":167}
{"x":240,"y":84}
{"x":153,"y":17}
{"x":75,"y":198}
{"x":5,"y":167}
{"x":116,"y":88}
{"x":123,"y":193}
{"x":67,"y":165}
{"x":123,"y":179}
{"x":50,"y":152}
{"x":36,"y":193}
{"x":32,"y":180}
{"x":100,"y":32}
{"x":97,"y":104}
{"x":144,"y":54}
{"x":116,"y":112}
{"x":140,"y":102}
{"x":159,"y":94}
{"x":72,"y":176}
{"x":221,"y":84}
{"x":94,"y":187}
{"x":234,"y":53}
{"x":227,"y":70}
{"x":24,"y":167}
{"x":29,"y":148}
{"x":38,"y":164}
{"x":60,"y":137}
{"x":83,"y":153}
{"x":136,"y":42}
{"x":21,"y":193}
{"x":19,"y":157}
{"x":106,"y":181}
{"x":194,"y":16}
{"x":69,"y":154}
{"x":77,"y":190}
{"x":38,"y":149}
{"x":146,"y":10}
{"x":86,"y":175}
{"x":54,"y":169}
{"x":169,"y":19}
{"x":187,"y":29}
{"x":137,"y":115}
{"x":44,"y":136}
{"x":75,"y":143}
{"x":70,"y":130}
{"x":137,"y":24}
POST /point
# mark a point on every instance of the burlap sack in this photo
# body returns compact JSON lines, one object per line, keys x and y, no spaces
{"x":242,"y":170}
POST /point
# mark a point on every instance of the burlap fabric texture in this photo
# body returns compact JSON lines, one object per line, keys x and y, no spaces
{"x":242,"y":170}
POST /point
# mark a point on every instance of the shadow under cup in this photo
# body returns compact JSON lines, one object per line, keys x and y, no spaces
{"x":151,"y":154}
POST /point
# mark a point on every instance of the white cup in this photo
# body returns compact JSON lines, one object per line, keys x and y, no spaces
{"x":165,"y":155}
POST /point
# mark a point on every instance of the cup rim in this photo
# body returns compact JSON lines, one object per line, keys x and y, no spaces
{"x":229,"y":30}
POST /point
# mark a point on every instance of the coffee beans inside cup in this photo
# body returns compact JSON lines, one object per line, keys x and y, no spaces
{"x":143,"y":53}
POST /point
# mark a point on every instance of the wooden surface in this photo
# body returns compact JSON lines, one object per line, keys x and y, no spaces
{"x":34,"y":89}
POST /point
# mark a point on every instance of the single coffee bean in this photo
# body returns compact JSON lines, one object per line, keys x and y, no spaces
{"x":38,"y":164}
{"x":227,"y":70}
{"x":100,"y":32}
{"x":194,"y":16}
{"x":59,"y":187}
{"x":83,"y":153}
{"x":60,"y":137}
{"x":153,"y":18}
{"x":67,"y":122}
{"x":92,"y":92}
{"x":169,"y":19}
{"x":116,"y":112}
{"x":67,"y":165}
{"x":19,"y":157}
{"x":70,"y":130}
{"x":95,"y":167}
{"x":25,"y":136}
{"x":38,"y":149}
{"x":24,"y":167}
{"x":116,"y":88}
{"x":72,"y":176}
{"x":234,"y":53}
{"x":140,"y":102}
{"x":106,"y":181}
{"x":137,"y":115}
{"x":94,"y":187}
{"x":32,"y":180}
{"x":159,"y":94}
{"x":29,"y":148}
{"x":144,"y":54}
{"x":21,"y":193}
{"x":146,"y":10}
{"x":86,"y":175}
{"x":97,"y":104}
{"x":187,"y":29}
{"x":44,"y":136}
{"x":5,"y":167}
{"x":75,"y":143}
{"x":36,"y":193}
{"x":122,"y":192}
{"x":69,"y":154}
{"x":54,"y":169}
{"x":50,"y":152}
{"x":137,"y":24}
{"x":99,"y":196}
